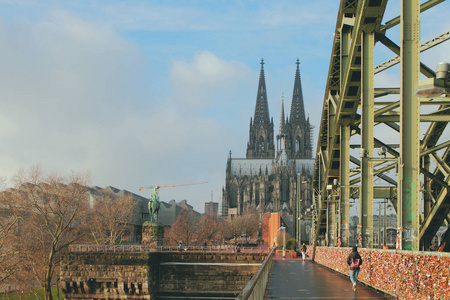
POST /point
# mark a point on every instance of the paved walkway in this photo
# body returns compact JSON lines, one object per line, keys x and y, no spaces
{"x":297,"y":279}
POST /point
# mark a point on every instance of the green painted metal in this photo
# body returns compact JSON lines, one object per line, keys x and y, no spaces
{"x":409,"y":123}
{"x":353,"y":109}
{"x":344,"y":215}
{"x":367,"y":124}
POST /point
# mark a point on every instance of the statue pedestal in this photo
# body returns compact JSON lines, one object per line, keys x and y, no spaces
{"x":152,"y":234}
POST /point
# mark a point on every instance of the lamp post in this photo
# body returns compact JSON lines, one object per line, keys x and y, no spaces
{"x":379,"y":224}
{"x":284,"y":239}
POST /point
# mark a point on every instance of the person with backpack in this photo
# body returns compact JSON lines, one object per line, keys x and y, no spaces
{"x":303,"y":249}
{"x":354,"y":261}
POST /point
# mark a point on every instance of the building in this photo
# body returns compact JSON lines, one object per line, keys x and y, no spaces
{"x":269,"y":179}
{"x":212,"y":209}
{"x":167,"y":215}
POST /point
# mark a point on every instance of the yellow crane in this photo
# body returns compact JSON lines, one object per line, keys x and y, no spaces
{"x":153,"y":203}
{"x":158,"y":186}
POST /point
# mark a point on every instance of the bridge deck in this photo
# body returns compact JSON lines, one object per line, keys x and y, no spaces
{"x":297,"y":279}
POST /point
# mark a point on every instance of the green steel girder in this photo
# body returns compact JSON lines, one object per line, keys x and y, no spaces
{"x":425,"y":6}
{"x":441,"y":206}
{"x":425,"y":46}
{"x":341,"y":120}
{"x":346,"y":82}
{"x":396,"y":49}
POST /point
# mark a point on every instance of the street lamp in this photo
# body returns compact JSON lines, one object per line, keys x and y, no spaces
{"x":284,"y":239}
{"x":436,"y":86}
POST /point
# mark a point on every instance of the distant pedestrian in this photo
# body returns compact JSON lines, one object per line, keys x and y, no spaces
{"x":180,"y":246}
{"x":303,"y":249}
{"x":238,"y":248}
{"x":205,"y":246}
{"x":354,"y":261}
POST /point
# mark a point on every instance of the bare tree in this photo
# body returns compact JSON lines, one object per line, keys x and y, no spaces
{"x":246,"y":224}
{"x":110,"y":218}
{"x":210,"y":229}
{"x":249,"y":223}
{"x":185,"y":228}
{"x":53,"y":210}
{"x":8,"y":229}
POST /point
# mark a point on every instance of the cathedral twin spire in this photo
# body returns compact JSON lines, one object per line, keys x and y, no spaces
{"x":262,"y":106}
{"x":260,"y":144}
{"x":297,"y":107}
{"x":294,"y":134}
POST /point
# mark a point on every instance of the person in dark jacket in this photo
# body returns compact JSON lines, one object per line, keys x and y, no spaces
{"x":354,"y":261}
{"x":303,"y":251}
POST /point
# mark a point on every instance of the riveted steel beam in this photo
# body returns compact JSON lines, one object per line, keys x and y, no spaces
{"x":344,"y":116}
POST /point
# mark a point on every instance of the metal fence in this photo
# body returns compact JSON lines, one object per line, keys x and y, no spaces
{"x":147,"y":248}
{"x":256,"y":287}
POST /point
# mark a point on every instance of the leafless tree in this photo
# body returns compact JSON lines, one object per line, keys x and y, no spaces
{"x":210,"y":229}
{"x":110,"y":217}
{"x":185,"y":228}
{"x":232,"y":228}
{"x":8,"y":228}
{"x":53,"y":209}
{"x":247,"y":224}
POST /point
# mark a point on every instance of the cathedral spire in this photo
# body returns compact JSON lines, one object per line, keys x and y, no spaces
{"x":261,"y":143}
{"x":262,"y":106}
{"x":282,"y":132}
{"x":282,"y":120}
{"x":297,"y":115}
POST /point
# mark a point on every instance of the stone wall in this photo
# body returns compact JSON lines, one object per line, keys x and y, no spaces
{"x":92,"y":275}
{"x":120,"y":275}
{"x":403,"y":274}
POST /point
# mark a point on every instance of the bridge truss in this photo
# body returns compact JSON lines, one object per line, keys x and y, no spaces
{"x":412,"y":170}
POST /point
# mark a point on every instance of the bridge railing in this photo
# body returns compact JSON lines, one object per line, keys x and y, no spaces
{"x":256,"y":287}
{"x":147,"y":248}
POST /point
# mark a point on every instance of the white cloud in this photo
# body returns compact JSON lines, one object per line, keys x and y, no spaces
{"x":62,"y":80}
{"x":194,"y":83}
{"x":74,"y":98}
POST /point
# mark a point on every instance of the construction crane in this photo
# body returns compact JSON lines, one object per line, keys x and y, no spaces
{"x":158,"y":186}
{"x":153,"y":203}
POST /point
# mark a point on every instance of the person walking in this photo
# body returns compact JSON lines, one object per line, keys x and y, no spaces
{"x":354,"y":261}
{"x":303,"y":249}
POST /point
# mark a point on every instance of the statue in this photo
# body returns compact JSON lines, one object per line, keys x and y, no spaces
{"x":153,"y":205}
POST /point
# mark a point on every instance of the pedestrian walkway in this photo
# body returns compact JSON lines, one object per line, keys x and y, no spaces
{"x":297,"y":279}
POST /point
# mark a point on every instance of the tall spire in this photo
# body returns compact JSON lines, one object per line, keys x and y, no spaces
{"x":282,"y":130}
{"x":261,"y":143}
{"x":297,"y":108}
{"x":262,"y":106}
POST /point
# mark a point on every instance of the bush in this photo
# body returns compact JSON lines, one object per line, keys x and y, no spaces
{"x":290,"y":244}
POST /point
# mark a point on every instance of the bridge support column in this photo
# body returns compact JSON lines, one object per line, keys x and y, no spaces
{"x":344,"y":195}
{"x":409,"y":124}
{"x":367,"y":98}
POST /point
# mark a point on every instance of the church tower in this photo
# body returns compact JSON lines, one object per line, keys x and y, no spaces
{"x":298,"y":144}
{"x":261,"y":141}
{"x":282,"y":133}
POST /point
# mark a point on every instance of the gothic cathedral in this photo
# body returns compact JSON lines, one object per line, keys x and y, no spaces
{"x":267,"y":179}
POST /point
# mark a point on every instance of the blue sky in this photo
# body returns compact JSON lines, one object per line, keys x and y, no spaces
{"x":154,"y":92}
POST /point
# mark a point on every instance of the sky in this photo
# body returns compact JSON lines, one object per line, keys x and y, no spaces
{"x":155,"y":92}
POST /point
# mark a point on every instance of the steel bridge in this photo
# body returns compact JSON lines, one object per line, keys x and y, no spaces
{"x":397,"y":132}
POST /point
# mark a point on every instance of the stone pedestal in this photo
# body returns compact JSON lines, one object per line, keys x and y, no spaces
{"x":152,"y":234}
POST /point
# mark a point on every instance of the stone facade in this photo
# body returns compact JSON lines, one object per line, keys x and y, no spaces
{"x":152,"y":234}
{"x":91,"y":275}
{"x":267,"y":178}
{"x":108,"y":275}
